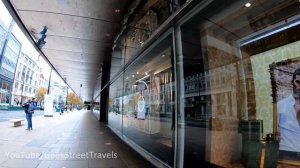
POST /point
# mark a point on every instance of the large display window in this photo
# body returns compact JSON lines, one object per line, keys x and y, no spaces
{"x":149,"y":101}
{"x":230,"y":119}
{"x":141,"y":103}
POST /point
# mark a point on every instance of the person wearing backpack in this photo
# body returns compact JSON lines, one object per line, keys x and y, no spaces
{"x":29,"y":110}
{"x":34,"y":105}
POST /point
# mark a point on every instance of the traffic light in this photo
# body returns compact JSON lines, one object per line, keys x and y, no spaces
{"x":41,"y":42}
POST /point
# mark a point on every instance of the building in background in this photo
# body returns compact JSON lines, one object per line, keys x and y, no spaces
{"x":9,"y":53}
{"x":27,"y":79}
{"x":59,"y":91}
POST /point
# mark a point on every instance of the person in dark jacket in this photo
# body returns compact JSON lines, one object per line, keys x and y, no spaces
{"x":29,"y":110}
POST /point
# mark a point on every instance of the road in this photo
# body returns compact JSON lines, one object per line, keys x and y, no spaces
{"x":7,"y":115}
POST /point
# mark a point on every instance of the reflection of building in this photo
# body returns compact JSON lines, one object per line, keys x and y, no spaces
{"x":199,"y":99}
{"x":9,"y":52}
{"x":26,"y":79}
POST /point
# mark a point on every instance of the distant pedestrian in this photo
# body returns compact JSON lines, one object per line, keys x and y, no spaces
{"x":27,"y":108}
{"x":71,"y":107}
{"x":66,"y":108}
{"x":61,"y":108}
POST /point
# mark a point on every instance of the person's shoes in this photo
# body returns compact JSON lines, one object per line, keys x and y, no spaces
{"x":27,"y":129}
{"x":30,"y":128}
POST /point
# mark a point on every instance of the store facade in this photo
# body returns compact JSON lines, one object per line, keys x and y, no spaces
{"x":204,"y":84}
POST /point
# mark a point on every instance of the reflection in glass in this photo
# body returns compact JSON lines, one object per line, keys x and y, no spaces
{"x":115,"y":105}
{"x":149,"y":102}
{"x":228,"y":107}
{"x":143,"y":24}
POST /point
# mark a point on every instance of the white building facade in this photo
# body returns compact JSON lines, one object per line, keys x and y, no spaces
{"x":27,"y":79}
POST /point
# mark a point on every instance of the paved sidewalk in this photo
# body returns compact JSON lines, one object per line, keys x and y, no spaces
{"x":72,"y":140}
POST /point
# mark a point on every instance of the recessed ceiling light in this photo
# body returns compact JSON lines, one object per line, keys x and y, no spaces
{"x":146,"y":73}
{"x":137,"y":72}
{"x":117,"y":10}
{"x":163,"y":55}
{"x":133,"y":76}
{"x":248,"y":4}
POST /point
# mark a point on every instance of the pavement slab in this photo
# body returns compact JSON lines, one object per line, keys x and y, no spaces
{"x":73,"y":140}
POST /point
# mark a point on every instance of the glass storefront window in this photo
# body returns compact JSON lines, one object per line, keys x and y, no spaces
{"x":149,"y":101}
{"x":115,"y":105}
{"x":142,"y":108}
{"x":5,"y":91}
{"x":228,"y":48}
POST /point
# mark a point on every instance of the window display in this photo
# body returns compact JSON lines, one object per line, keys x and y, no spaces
{"x":285,"y":80}
{"x":227,"y":51}
{"x":142,"y":107}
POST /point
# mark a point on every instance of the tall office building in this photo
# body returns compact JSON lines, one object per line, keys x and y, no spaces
{"x":9,"y":53}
